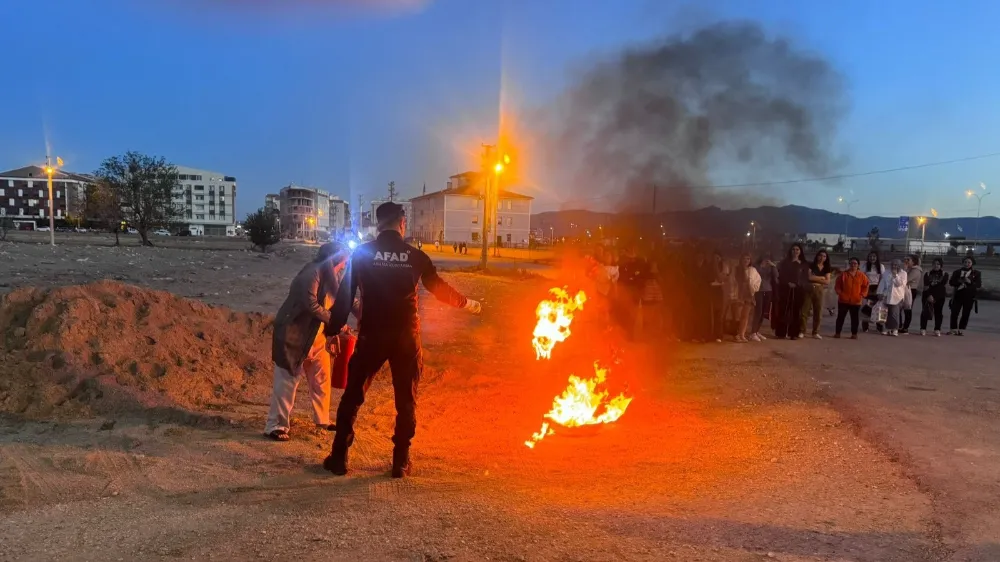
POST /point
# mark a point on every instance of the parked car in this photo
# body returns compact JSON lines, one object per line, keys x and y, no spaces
{"x":161,"y":232}
{"x":132,"y":231}
{"x":184,"y":232}
{"x":42,"y":228}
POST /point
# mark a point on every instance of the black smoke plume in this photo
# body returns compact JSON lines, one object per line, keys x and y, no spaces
{"x":727,"y":98}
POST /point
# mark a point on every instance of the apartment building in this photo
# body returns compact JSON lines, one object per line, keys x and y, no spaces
{"x":272,"y":202}
{"x":304,"y":212}
{"x":24,"y":194}
{"x":455,"y":214}
{"x":207,"y":201}
{"x":340,"y":215}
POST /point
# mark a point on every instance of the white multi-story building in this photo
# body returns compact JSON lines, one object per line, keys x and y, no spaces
{"x":207,"y":201}
{"x":455,"y":214}
{"x":24,"y":194}
{"x":272,"y":202}
{"x":340,"y":215}
{"x":304,"y":212}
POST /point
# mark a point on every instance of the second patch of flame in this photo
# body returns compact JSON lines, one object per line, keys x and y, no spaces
{"x":554,"y":317}
{"x":578,"y":405}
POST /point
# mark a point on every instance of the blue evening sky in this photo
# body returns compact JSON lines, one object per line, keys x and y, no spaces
{"x":350,"y":101}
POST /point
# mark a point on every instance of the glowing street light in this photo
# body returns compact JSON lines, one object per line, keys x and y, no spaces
{"x":50,"y":171}
{"x":979,"y":197}
{"x":847,"y":218}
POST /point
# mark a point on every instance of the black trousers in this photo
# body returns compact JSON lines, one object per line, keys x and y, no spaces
{"x":762,"y":307}
{"x":405,"y":357}
{"x":786,"y":316}
{"x":908,"y":314}
{"x":842,"y":310}
{"x":961,"y":305}
{"x":716,"y":304}
{"x":932,"y":309}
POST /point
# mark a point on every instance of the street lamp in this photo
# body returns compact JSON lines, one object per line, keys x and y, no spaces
{"x":922,"y":221}
{"x":50,"y":171}
{"x":979,"y":208}
{"x":753,"y":235}
{"x":847,"y":218}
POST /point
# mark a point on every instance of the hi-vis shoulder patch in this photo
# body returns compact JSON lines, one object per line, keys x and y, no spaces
{"x":392,"y":256}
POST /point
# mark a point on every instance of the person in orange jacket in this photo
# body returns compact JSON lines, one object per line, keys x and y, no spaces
{"x":852,"y":288}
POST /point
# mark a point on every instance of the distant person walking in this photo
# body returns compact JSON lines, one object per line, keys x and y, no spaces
{"x":851,"y":288}
{"x":873,"y":269}
{"x":967,"y":281}
{"x":935,"y":294}
{"x":819,"y":278}
{"x":914,"y":283}
{"x":768,"y":273}
{"x":892,"y":291}
{"x":792,"y":280}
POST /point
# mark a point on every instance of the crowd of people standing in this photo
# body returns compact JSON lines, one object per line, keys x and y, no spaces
{"x":703,"y":297}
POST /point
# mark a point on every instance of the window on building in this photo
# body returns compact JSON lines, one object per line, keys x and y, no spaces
{"x":20,"y":213}
{"x":31,"y":184}
{"x":1,"y":193}
{"x":508,"y":206}
{"x":20,"y":193}
{"x":222,"y":189}
{"x":200,"y":217}
{"x":41,"y":194}
{"x":10,"y":183}
{"x":41,"y":213}
{"x":58,"y":194}
{"x":199,"y":197}
{"x":508,"y":238}
{"x":509,"y":222}
{"x":475,"y":219}
{"x":11,"y":202}
{"x":199,"y":207}
{"x":475,"y":237}
{"x":196,"y":178}
{"x":199,"y":188}
{"x":3,"y":211}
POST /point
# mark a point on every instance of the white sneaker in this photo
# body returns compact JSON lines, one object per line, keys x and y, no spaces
{"x":937,"y":333}
{"x":755,"y":337}
{"x":923,"y":332}
{"x":817,"y":336}
{"x":893,"y":333}
{"x":760,"y":336}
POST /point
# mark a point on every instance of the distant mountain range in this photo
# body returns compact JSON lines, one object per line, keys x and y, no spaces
{"x":712,"y":222}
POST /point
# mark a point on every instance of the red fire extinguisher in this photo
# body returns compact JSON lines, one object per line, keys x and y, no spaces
{"x":338,"y":374}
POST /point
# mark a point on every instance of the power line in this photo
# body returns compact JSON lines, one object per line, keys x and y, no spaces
{"x":825,"y":178}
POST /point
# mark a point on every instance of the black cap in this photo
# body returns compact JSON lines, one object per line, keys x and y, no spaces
{"x":389,"y":213}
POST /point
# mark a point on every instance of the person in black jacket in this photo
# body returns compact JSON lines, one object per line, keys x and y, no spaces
{"x":386,"y":272}
{"x":790,"y":294}
{"x":935,"y":293}
{"x":966,"y":282}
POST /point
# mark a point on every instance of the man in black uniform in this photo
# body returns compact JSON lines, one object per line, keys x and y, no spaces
{"x":386,"y":271}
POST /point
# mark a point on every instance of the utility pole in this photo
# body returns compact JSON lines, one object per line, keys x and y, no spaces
{"x":392,"y":190}
{"x":979,"y":210}
{"x":50,"y":170}
{"x":486,"y":173}
{"x":361,"y":212}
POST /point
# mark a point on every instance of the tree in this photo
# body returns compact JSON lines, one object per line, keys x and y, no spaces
{"x":6,"y":224}
{"x":262,"y":228}
{"x":103,"y":206}
{"x":144,"y":186}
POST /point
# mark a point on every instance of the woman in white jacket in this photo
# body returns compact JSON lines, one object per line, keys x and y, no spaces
{"x":892,"y":290}
{"x":747,"y":281}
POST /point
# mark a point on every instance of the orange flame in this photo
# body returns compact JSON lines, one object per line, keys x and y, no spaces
{"x":554,"y":317}
{"x":579,"y":403}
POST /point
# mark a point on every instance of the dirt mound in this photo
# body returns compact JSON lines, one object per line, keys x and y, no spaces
{"x":109,"y":348}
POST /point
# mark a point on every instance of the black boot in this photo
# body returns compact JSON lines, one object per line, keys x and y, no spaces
{"x":401,"y":465}
{"x":336,"y":462}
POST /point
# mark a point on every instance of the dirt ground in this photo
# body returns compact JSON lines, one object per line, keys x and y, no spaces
{"x":871,"y":450}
